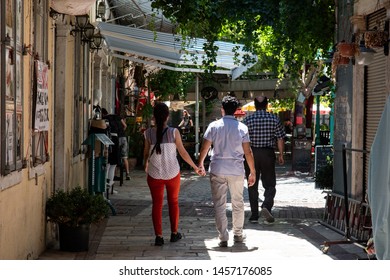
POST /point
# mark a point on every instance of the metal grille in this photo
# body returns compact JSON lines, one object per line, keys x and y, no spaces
{"x":375,"y":84}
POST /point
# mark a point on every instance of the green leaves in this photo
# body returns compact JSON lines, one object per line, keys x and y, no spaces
{"x":76,"y":207}
{"x":285,"y":34}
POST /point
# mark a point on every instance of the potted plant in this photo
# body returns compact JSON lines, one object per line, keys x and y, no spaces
{"x":347,"y":49}
{"x":324,"y":175}
{"x":74,"y":211}
{"x":338,"y":60}
{"x":375,"y":38}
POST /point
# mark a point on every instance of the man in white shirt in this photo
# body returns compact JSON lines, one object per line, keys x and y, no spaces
{"x":230,"y":140}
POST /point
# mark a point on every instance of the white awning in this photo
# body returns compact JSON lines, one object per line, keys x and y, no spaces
{"x":72,"y":7}
{"x":158,"y":48}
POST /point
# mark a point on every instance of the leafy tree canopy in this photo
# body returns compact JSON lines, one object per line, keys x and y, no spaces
{"x":285,"y":34}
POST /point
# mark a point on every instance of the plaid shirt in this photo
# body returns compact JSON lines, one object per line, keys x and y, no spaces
{"x":264,"y":129}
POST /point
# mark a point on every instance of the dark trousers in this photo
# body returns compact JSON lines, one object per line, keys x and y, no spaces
{"x":265,"y":170}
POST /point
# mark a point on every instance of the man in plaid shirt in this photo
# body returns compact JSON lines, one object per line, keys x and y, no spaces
{"x":265,"y":130}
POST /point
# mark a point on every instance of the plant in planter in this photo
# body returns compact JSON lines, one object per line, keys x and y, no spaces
{"x":74,"y":211}
{"x":375,"y":38}
{"x":347,"y":49}
{"x":324,"y":175}
{"x":338,"y":60}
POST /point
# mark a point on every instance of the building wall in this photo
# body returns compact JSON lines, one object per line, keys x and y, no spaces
{"x":24,"y":231}
{"x":23,"y":192}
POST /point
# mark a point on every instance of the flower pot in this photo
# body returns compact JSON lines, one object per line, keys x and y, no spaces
{"x":74,"y":239}
{"x":346,"y":49}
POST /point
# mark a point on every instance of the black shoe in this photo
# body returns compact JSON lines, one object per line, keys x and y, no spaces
{"x":239,"y":238}
{"x":176,"y":236}
{"x":127,"y":177}
{"x":223,"y":244}
{"x":253,"y":219}
{"x":159,"y":241}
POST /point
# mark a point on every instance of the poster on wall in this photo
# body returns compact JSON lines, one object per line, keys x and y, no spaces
{"x":9,"y":129}
{"x":19,"y":19}
{"x":41,"y":120}
{"x":9,"y":75}
{"x":8,"y":17}
{"x":18,"y":79}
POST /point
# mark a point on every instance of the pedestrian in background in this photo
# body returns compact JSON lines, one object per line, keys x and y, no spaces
{"x":186,"y":122}
{"x":230,"y":140}
{"x":163,"y":170}
{"x":115,"y":132}
{"x":265,"y":129}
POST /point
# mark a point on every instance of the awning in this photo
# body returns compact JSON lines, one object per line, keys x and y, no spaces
{"x":72,"y":7}
{"x":158,"y":48}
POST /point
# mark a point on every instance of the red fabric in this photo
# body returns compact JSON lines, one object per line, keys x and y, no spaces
{"x":156,"y":187}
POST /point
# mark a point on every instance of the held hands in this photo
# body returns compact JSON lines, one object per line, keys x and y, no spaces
{"x":201,"y":171}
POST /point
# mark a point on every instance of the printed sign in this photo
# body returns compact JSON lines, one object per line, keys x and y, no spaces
{"x":41,"y":122}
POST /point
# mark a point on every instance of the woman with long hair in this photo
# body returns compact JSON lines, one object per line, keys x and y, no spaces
{"x":163,"y":170}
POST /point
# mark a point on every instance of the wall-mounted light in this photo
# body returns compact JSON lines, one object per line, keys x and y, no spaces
{"x":101,"y":10}
{"x":25,"y":49}
{"x":96,"y":42}
{"x":87,"y":34}
{"x":7,"y":40}
{"x":53,"y":14}
{"x":82,"y":21}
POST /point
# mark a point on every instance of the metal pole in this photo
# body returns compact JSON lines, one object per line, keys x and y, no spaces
{"x":318,"y":139}
{"x":197,"y":117}
{"x":346,"y":206}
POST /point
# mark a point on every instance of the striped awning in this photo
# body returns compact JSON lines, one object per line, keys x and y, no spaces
{"x":171,"y":51}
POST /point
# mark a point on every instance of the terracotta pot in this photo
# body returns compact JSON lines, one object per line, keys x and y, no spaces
{"x":343,"y":60}
{"x":346,"y":49}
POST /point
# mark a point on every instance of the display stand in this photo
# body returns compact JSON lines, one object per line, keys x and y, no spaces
{"x":301,"y":155}
{"x":97,"y":164}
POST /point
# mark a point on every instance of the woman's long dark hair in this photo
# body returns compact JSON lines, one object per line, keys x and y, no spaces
{"x":161,"y":114}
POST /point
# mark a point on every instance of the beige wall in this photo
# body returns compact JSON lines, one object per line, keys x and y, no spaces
{"x":364,"y":7}
{"x":24,"y":232}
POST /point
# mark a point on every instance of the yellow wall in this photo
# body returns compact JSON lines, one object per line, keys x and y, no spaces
{"x":24,"y":232}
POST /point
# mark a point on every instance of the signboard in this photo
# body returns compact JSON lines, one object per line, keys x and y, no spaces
{"x":41,"y":121}
{"x":301,"y":155}
{"x":321,"y":155}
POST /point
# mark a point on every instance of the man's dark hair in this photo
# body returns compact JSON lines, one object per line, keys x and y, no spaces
{"x":230,"y":104}
{"x":261,"y":103}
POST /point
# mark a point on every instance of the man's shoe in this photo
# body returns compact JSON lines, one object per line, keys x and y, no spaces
{"x":176,"y":236}
{"x":239,"y":238}
{"x":127,"y":177}
{"x":159,"y":241}
{"x":266,"y":214}
{"x":223,"y":244}
{"x":253,"y":219}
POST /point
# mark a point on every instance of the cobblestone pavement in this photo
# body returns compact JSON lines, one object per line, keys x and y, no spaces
{"x":297,"y":232}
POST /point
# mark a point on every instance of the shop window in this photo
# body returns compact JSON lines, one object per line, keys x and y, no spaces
{"x":11,"y":86}
{"x":39,"y":109}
